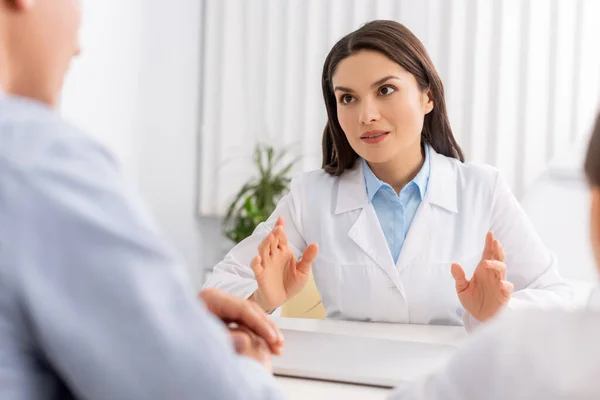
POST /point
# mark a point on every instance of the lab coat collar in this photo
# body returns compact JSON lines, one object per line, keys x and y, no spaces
{"x":352,"y":192}
{"x":441,"y":190}
{"x":443,"y":182}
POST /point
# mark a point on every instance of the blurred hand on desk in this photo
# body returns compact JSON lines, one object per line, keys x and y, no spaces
{"x":255,"y":334}
{"x":249,"y":344}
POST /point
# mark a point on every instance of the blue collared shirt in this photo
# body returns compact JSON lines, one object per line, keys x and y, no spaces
{"x":94,"y":303}
{"x":396,"y":211}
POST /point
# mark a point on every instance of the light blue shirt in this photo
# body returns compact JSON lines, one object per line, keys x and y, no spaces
{"x":396,"y":211}
{"x":93,"y":303}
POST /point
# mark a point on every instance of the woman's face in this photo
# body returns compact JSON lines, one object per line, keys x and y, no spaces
{"x":380,"y":106}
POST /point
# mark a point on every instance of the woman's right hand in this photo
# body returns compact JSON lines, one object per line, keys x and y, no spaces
{"x":278,"y":274}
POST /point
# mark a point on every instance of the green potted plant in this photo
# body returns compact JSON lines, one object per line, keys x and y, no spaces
{"x":257,"y":198}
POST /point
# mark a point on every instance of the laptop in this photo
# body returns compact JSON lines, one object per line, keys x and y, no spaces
{"x":358,"y":360}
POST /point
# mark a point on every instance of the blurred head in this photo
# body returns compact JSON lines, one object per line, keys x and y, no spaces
{"x":592,"y":171}
{"x":384,"y":99}
{"x":38,"y":38}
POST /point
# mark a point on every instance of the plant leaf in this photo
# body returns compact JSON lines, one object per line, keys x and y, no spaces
{"x":238,"y":197}
{"x":257,"y":199}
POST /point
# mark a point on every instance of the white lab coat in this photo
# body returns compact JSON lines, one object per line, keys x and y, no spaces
{"x":528,"y":354}
{"x":354,"y":271}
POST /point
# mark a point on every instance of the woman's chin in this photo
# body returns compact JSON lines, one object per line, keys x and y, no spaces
{"x":373,"y":157}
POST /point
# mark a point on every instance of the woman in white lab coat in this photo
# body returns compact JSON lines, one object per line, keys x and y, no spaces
{"x":532,"y":354}
{"x":390,"y":163}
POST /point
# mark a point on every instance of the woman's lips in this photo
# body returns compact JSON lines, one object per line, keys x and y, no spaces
{"x":372,"y":137}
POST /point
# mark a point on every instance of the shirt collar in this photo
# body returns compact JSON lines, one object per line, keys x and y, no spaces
{"x":373,"y":184}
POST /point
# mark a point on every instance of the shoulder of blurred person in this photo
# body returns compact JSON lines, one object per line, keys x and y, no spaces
{"x":32,"y":133}
{"x":39,"y":149}
{"x":549,"y":354}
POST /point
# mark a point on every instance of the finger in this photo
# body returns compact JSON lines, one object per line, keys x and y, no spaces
{"x":250,"y":315}
{"x":309,"y":255}
{"x":281,"y":236}
{"x":497,"y":266}
{"x":488,"y":250}
{"x":241,"y":311}
{"x":259,"y":342}
{"x":258,"y":322}
{"x":508,"y":287}
{"x":274,"y":246}
{"x":276,"y":347}
{"x":499,"y":251}
{"x":263,"y":247}
{"x":257,"y":267}
{"x":258,"y":349}
{"x":280,"y":222}
{"x":462,"y":283}
{"x":245,"y":339}
{"x":241,"y":341}
{"x":265,"y":250}
{"x":260,"y":346}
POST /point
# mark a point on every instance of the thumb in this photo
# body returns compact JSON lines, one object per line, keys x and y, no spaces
{"x":308,"y":257}
{"x":241,"y":341}
{"x":256,"y":265}
{"x":459,"y":277}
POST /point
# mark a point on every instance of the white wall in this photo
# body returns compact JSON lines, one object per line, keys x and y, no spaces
{"x":136,"y":89}
{"x":101,"y":89}
{"x":521,"y":79}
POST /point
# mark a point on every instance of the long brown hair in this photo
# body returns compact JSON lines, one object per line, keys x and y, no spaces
{"x":400,"y":45}
{"x":592,"y":160}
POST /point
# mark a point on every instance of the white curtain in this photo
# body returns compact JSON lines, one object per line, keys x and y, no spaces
{"x":522,"y":79}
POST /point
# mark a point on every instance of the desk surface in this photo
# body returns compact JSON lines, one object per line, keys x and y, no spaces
{"x":302,"y":389}
{"x":295,"y":388}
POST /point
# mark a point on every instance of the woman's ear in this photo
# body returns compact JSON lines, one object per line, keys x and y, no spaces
{"x":427,"y":101}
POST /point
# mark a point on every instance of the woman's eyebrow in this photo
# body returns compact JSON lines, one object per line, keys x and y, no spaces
{"x":377,"y":83}
{"x":382,"y":80}
{"x":343,"y":89}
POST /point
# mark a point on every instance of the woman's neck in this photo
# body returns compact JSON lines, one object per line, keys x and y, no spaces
{"x":399,"y":171}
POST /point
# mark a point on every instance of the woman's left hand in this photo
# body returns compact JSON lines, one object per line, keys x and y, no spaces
{"x":488,"y":290}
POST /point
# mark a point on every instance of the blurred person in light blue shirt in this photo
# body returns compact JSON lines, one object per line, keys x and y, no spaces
{"x":93,"y":303}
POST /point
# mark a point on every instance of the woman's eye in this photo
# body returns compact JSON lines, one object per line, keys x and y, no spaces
{"x":347,"y":99}
{"x":386,"y":90}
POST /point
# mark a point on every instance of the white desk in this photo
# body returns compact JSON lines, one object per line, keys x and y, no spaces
{"x":311,"y":389}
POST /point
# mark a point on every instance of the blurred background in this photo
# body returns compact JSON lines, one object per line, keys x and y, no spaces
{"x":182,"y":92}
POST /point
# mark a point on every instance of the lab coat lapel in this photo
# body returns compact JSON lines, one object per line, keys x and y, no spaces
{"x":418,"y":238}
{"x":441,"y":193}
{"x":366,"y":231}
{"x":367,"y":234}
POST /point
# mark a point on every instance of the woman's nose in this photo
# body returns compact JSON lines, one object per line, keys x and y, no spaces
{"x":369,"y":112}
